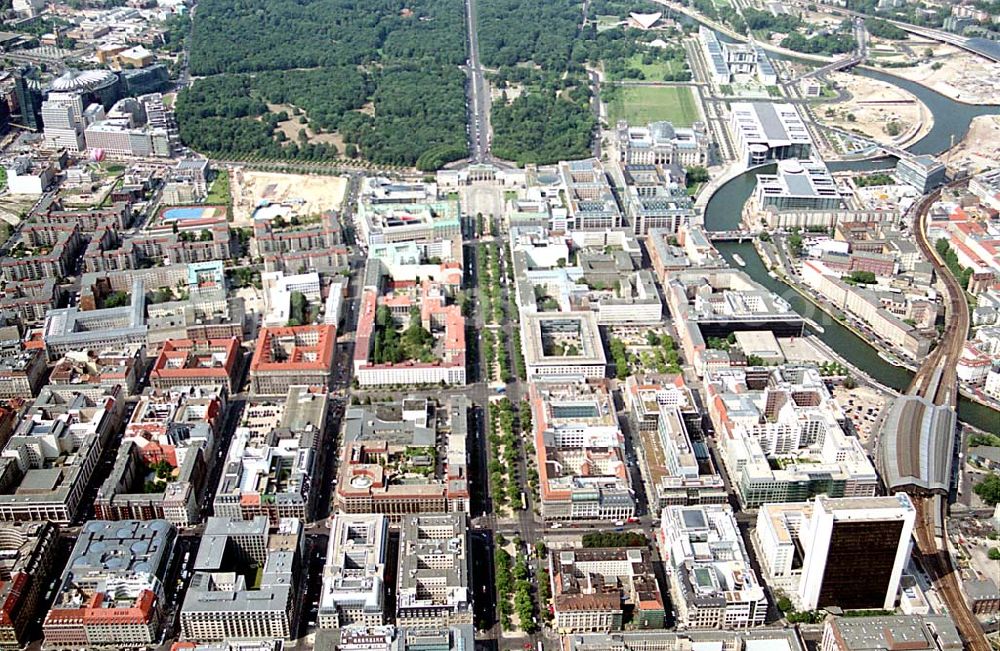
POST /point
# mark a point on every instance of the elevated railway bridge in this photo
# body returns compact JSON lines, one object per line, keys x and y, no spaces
{"x":917,"y":445}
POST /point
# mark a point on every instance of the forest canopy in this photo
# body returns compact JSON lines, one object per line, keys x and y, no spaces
{"x":384,"y":75}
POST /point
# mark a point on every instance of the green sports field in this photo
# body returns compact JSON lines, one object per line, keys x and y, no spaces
{"x":643,"y":104}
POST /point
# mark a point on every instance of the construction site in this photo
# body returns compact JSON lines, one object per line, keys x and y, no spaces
{"x":299,"y":195}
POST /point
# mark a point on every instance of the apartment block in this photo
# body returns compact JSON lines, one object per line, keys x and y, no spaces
{"x":300,"y":248}
{"x":869,"y":307}
{"x":40,"y":253}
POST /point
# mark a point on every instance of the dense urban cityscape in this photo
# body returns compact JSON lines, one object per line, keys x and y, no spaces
{"x":554,"y":325}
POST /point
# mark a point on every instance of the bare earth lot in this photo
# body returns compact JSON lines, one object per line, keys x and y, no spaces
{"x":309,"y":194}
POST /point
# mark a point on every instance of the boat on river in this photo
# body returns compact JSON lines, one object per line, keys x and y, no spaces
{"x":892,"y":359}
{"x":738,"y":259}
{"x":815,"y":326}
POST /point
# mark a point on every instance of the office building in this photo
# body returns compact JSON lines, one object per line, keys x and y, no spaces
{"x":71,"y":328}
{"x":142,"y":81}
{"x":48,"y":462}
{"x":856,"y":550}
{"x":559,"y":345}
{"x":591,"y":203}
{"x":592,"y":587}
{"x":291,"y":356}
{"x":836,"y":552}
{"x":93,"y":372}
{"x":354,"y":590}
{"x":433,"y":588}
{"x":730,"y":61}
{"x":186,"y":362}
{"x":29,"y":101}
{"x":780,"y":437}
{"x":246,"y":583}
{"x":459,"y":637}
{"x":22,"y":373}
{"x":924,"y":173}
{"x":911,"y":632}
{"x":712,"y":583}
{"x":63,"y":115}
{"x":111,"y":594}
{"x":390,"y":461}
{"x":798,"y":185}
{"x":655,"y":198}
{"x":676,"y":473}
{"x":718,"y":302}
{"x":28,"y":176}
{"x":764,"y":131}
{"x":580,"y":450}
{"x":178,"y":427}
{"x":101,"y":87}
{"x":270,"y":466}
{"x":407,"y":297}
{"x":399,"y":219}
{"x":774,"y":639}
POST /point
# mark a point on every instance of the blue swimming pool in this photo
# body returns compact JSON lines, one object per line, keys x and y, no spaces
{"x":173,"y":214}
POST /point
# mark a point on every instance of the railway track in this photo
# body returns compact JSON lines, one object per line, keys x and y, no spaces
{"x":937,"y":381}
{"x":937,"y":563}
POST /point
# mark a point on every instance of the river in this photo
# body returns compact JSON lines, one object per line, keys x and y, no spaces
{"x":951,"y":120}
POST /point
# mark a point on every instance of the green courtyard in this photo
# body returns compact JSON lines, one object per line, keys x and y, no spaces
{"x":643,"y":104}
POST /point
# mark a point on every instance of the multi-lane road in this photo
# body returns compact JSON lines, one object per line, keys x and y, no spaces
{"x":478,"y":92}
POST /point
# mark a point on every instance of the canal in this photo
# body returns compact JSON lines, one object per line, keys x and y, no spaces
{"x":951,"y":121}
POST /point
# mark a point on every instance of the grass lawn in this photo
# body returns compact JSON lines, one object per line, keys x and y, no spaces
{"x":605,"y":22}
{"x":218,"y":193}
{"x":643,"y":104}
{"x":655,"y":71}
